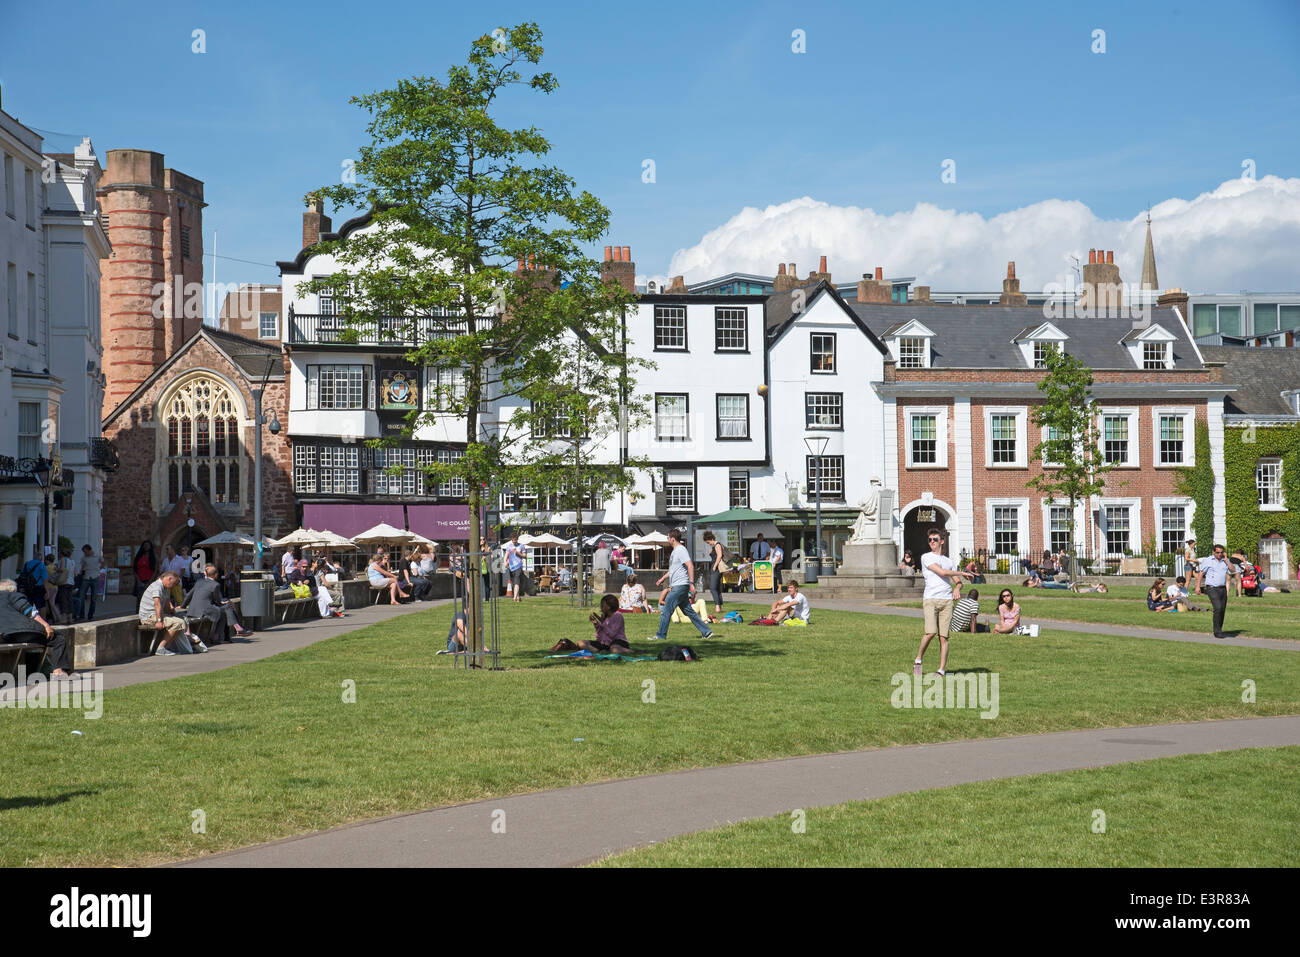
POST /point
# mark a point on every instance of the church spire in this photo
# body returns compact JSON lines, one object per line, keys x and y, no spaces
{"x":1149,"y":280}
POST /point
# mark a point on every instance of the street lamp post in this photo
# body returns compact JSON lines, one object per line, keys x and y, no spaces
{"x":816,"y":448}
{"x":258,"y":421}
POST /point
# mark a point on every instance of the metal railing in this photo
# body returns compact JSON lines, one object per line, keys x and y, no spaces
{"x":1080,"y":563}
{"x":307,"y":328}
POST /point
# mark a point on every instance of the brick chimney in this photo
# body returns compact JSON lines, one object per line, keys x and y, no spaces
{"x":314,"y":222}
{"x":784,"y":281}
{"x":821,"y":275}
{"x":618,"y":267}
{"x":1103,"y":291}
{"x":1178,"y":300}
{"x":677,"y":287}
{"x":1011,"y":295}
{"x":921,"y":294}
{"x":875,"y":289}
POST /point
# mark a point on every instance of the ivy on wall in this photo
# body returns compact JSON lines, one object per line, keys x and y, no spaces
{"x":1197,"y":483}
{"x":1246,"y":523}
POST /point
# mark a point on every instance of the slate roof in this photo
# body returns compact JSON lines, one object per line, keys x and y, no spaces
{"x":1260,"y":375}
{"x":982,"y":337}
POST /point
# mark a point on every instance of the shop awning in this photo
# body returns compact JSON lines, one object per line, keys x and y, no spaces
{"x":442,"y":523}
{"x":347,"y":519}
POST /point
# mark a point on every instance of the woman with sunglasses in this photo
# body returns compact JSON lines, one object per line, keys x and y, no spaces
{"x":1008,"y":613}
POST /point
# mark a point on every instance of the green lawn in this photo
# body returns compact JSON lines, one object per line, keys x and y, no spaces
{"x":1272,"y":616}
{"x":1214,"y":810}
{"x":269,"y":749}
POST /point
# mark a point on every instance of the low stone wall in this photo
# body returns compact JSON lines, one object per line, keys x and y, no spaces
{"x":104,"y":641}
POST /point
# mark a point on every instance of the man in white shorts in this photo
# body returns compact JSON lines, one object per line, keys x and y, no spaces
{"x":941,"y":575}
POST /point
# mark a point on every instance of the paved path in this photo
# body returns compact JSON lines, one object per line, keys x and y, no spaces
{"x":577,"y":825}
{"x":1124,"y":631}
{"x":263,"y":644}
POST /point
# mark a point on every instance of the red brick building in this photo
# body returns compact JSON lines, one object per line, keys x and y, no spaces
{"x":189,"y":425}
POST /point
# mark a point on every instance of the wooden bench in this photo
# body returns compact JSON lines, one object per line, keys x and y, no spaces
{"x":11,"y":655}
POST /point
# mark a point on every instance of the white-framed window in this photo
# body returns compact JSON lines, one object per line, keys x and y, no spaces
{"x":1008,"y":525}
{"x":733,"y":416}
{"x":831,"y":477}
{"x":738,"y":488}
{"x":1272,"y":556}
{"x":679,"y":490}
{"x":1049,"y":434}
{"x":821,"y":350}
{"x":1174,"y":528}
{"x":1155,"y":355}
{"x":337,"y":387}
{"x":670,"y":328}
{"x":29,"y":430}
{"x":927,"y":437}
{"x":267,"y":325}
{"x":672,"y":417}
{"x":1119,"y":437}
{"x":913,"y":351}
{"x":730,"y":329}
{"x":1004,"y":437}
{"x":443,"y":387}
{"x":1120,"y":526}
{"x":1056,"y":523}
{"x":1174,"y":430}
{"x":824,"y":410}
{"x":1268,"y":484}
{"x":1042,"y":349}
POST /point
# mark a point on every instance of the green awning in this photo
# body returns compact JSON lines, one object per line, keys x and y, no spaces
{"x":736,"y":515}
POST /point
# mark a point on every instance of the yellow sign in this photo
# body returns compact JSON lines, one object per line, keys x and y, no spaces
{"x":763,"y":576}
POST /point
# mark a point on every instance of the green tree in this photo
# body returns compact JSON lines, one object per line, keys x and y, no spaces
{"x":458,"y":201}
{"x":1069,"y":414}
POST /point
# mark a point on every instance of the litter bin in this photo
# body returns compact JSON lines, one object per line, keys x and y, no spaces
{"x":257,"y":599}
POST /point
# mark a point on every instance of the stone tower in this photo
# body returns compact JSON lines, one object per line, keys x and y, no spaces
{"x":151,"y":298}
{"x":1149,"y":280}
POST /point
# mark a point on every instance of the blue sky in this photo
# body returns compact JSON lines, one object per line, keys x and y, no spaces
{"x":713,"y":93}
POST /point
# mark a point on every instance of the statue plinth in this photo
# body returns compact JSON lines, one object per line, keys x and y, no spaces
{"x":870,"y":571}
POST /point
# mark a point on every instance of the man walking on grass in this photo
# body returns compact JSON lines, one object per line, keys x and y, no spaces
{"x":1212,"y":576}
{"x":680,"y":574}
{"x":941,"y":575}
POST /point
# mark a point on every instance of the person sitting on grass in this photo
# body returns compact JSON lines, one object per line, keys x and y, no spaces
{"x":792,"y":604}
{"x":695,"y":601}
{"x":156,"y":612}
{"x":1008,"y":613}
{"x":1156,"y":598}
{"x":965,"y":614}
{"x":381,"y":577}
{"x":456,"y":640}
{"x":632,"y":597}
{"x":1177,"y":593}
{"x":610,"y":638}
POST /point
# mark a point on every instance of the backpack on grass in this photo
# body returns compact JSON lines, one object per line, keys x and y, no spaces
{"x":678,"y":653}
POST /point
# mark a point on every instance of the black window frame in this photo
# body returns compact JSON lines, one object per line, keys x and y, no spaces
{"x":717,"y":315}
{"x":317,"y":468}
{"x":812,"y":483}
{"x":686,"y":329}
{"x":717,"y":416}
{"x":695,"y":488}
{"x":807,"y":411}
{"x":835,"y":359}
{"x":731,"y":474}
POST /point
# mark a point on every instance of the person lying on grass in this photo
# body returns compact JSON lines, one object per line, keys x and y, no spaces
{"x":792,"y":604}
{"x":610,"y":638}
{"x":1083,"y":588}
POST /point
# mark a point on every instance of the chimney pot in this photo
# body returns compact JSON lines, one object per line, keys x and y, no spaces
{"x":780,"y":269}
{"x":1110,"y":256}
{"x":1092,"y":257}
{"x":609,"y":253}
{"x":823,"y":265}
{"x":790,"y":270}
{"x":1011,"y":270}
{"x":880,"y":273}
{"x":627,"y":254}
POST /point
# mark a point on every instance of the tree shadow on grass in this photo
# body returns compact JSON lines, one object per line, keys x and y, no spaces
{"x":14,"y":803}
{"x":706,"y":648}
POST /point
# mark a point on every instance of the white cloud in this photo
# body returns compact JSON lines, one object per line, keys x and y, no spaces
{"x":1243,"y":235}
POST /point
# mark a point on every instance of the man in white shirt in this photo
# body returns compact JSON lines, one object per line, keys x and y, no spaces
{"x":1212,"y":574}
{"x":777,"y":556}
{"x":941,"y":575}
{"x":794,"y":604}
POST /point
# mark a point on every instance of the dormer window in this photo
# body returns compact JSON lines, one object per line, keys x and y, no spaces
{"x":909,"y":344}
{"x":1036,"y":343}
{"x":1155,"y":355}
{"x":912,"y":352}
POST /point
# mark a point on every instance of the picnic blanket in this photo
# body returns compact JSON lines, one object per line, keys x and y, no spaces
{"x":591,"y":656}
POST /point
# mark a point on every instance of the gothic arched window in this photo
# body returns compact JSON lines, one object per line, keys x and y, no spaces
{"x":201,"y":416}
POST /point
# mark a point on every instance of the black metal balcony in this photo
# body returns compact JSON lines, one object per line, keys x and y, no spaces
{"x":393,"y":331}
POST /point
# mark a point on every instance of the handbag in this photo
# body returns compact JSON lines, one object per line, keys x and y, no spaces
{"x":722,"y":559}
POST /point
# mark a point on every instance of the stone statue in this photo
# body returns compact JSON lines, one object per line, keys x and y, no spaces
{"x":866,"y":527}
